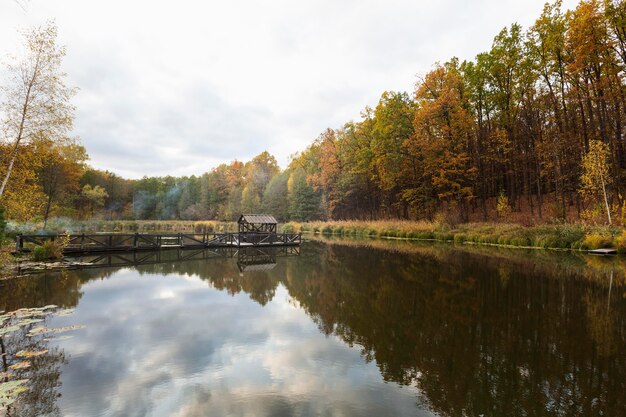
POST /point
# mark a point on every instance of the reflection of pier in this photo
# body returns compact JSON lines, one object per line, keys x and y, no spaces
{"x":246,"y":257}
{"x":261,"y":259}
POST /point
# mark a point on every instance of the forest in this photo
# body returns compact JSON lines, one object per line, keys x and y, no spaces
{"x":531,"y":130}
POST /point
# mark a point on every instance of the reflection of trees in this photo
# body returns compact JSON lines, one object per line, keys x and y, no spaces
{"x":43,"y":374}
{"x":471,"y":341}
{"x":58,"y":288}
{"x":513,"y":333}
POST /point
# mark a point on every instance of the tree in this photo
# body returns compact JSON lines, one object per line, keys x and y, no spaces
{"x":94,"y":197}
{"x":304,"y":202}
{"x":3,"y":224}
{"x":59,"y":175}
{"x":257,"y":174}
{"x":275,"y":200}
{"x":393,"y":126}
{"x":596,"y":168}
{"x":443,"y":130}
{"x":36,"y":100}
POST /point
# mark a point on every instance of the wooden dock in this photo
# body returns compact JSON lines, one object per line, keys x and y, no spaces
{"x":127,"y":242}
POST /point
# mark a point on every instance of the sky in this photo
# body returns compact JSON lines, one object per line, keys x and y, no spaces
{"x":176,"y":88}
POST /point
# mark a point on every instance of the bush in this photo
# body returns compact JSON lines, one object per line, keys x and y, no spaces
{"x":597,"y":241}
{"x":459,"y":238}
{"x":503,"y":208}
{"x":620,"y":242}
{"x":51,"y":249}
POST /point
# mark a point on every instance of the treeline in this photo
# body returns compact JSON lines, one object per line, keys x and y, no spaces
{"x":73,"y":189}
{"x":535,"y":125}
{"x":222,"y":193}
{"x":513,"y":125}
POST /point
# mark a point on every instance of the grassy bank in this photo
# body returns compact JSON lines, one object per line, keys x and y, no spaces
{"x":63,"y":225}
{"x":558,"y":236}
{"x":555,"y":236}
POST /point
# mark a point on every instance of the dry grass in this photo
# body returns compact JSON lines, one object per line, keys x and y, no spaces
{"x":63,"y":225}
{"x":559,"y":236}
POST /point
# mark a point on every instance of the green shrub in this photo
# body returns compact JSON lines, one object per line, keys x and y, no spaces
{"x":620,"y":242}
{"x":424,"y":235}
{"x":519,"y":240}
{"x":442,"y":235}
{"x":51,"y":249}
{"x":40,"y":253}
{"x":459,"y":238}
{"x":570,"y":235}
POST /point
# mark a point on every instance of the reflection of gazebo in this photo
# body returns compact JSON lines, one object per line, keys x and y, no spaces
{"x":249,"y":259}
{"x":257,"y":229}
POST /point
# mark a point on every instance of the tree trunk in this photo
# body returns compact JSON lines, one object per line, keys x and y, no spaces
{"x":10,"y":168}
{"x":606,"y":201}
{"x":47,"y":213}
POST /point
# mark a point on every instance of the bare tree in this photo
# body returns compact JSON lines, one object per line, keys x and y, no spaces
{"x":35,"y":99}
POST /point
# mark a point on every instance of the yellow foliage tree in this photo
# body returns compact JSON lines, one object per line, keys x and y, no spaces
{"x":23,"y":197}
{"x":596,"y":169}
{"x":35,"y":98}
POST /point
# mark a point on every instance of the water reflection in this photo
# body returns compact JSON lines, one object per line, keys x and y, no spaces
{"x":30,"y":366}
{"x":454,"y":331}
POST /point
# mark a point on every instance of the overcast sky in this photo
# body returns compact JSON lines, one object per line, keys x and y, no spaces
{"x":178,"y":87}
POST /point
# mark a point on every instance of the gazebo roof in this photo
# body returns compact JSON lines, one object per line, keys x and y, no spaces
{"x":257,"y":219}
{"x":256,"y":267}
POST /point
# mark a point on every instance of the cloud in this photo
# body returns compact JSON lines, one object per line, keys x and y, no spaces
{"x":179,"y":87}
{"x":200,"y":351}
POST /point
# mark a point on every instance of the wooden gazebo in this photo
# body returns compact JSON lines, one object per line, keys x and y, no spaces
{"x":257,"y":224}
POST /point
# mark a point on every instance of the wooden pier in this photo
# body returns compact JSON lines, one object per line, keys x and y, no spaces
{"x":126,"y":242}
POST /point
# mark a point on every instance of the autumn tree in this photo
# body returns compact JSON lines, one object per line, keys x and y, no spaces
{"x":35,"y":99}
{"x":596,"y":173}
{"x":93,"y":198}
{"x":393,"y":126}
{"x":59,"y":175}
{"x":443,"y":129}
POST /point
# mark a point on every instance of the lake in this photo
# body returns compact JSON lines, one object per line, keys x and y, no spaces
{"x":336,"y":328}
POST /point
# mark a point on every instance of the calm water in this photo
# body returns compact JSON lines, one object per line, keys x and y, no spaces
{"x":343,"y":329}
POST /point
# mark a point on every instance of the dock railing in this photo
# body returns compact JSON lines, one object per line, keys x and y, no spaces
{"x":109,"y":242}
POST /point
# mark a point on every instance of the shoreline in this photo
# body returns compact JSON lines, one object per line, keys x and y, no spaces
{"x":559,"y":237}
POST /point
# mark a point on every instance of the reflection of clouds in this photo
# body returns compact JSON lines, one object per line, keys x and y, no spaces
{"x":204,"y":352}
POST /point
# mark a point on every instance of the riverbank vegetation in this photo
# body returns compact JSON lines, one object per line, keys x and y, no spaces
{"x":67,"y":225}
{"x":531,"y":131}
{"x":555,"y":236}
